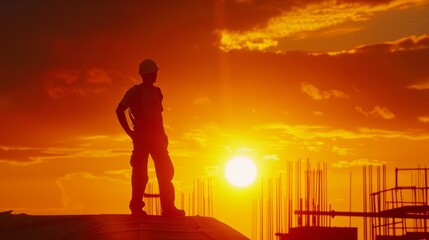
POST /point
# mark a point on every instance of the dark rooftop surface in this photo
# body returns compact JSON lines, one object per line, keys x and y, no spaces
{"x":112,"y":227}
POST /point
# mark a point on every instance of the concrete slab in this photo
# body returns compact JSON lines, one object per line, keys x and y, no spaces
{"x":113,"y":227}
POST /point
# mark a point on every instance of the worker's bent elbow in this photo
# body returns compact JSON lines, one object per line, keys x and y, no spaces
{"x":120,"y":109}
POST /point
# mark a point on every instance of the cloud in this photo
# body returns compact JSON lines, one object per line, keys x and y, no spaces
{"x":314,"y":146}
{"x":309,"y":18}
{"x":174,"y":152}
{"x":409,"y":134}
{"x":360,"y":110}
{"x":244,"y":150}
{"x":341,"y":151}
{"x":62,"y":82}
{"x":357,"y":163}
{"x":202,"y":100}
{"x":377,"y":112}
{"x":304,"y":20}
{"x":311,"y":132}
{"x":409,"y":43}
{"x":120,"y":172}
{"x":96,"y":75}
{"x":271,"y":157}
{"x":211,"y":170}
{"x":94,"y":137}
{"x":317,"y":94}
{"x":335,"y":31}
{"x":203,"y":135}
{"x":82,"y":191}
{"x":423,"y":119}
{"x":403,"y":44}
{"x":382,"y":112}
{"x":24,"y":156}
{"x":421,"y":85}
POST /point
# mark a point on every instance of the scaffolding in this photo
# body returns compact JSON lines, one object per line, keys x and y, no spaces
{"x":402,"y":212}
{"x":398,"y":213}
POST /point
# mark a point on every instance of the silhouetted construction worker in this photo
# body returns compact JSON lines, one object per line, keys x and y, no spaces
{"x":144,"y":102}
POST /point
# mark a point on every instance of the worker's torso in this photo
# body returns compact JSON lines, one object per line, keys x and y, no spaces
{"x":146,"y":108}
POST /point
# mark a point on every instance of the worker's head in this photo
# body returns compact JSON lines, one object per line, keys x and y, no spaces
{"x":148,"y":70}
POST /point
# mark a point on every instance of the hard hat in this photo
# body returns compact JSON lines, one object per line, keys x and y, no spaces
{"x":148,"y":66}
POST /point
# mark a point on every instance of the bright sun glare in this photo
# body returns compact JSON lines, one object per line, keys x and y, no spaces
{"x":240,"y":171}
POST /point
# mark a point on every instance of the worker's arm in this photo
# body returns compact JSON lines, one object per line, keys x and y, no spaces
{"x":120,"y":113}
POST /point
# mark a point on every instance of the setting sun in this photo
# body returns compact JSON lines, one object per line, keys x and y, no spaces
{"x":240,"y":171}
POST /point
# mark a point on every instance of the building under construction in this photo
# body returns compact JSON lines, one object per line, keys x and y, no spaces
{"x":400,"y":212}
{"x":395,"y":213}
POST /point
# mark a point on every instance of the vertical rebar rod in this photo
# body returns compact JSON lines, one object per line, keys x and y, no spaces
{"x":188,"y":204}
{"x":350,"y":199}
{"x":193,"y":197}
{"x":365,"y":233}
{"x":369,"y":200}
{"x":385,"y":221}
{"x":182,"y":200}
{"x":326,"y":194}
{"x":378,"y":202}
{"x":262,"y":209}
{"x":426,"y":200}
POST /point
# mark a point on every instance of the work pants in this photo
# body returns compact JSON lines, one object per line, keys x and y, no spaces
{"x":154,"y":145}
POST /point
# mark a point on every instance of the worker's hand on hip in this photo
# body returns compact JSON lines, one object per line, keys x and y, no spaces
{"x":166,"y":140}
{"x":131,"y":134}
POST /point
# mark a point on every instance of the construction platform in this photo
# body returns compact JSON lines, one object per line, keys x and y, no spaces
{"x":319,"y":233}
{"x":113,"y":227}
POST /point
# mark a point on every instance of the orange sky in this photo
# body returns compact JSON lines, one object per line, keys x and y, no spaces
{"x":342,"y":82}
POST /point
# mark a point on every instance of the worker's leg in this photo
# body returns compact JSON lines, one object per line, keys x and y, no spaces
{"x":139,"y":177}
{"x":164,"y":173}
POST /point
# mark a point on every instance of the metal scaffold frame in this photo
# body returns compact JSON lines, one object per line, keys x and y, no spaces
{"x":397,"y":213}
{"x":402,"y":211}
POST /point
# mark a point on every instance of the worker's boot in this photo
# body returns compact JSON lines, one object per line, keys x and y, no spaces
{"x":173,"y":212}
{"x":136,"y":208}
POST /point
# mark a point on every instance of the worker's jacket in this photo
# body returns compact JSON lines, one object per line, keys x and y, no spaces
{"x":145,"y":106}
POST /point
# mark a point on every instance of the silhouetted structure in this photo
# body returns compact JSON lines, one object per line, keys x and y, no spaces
{"x":108,"y":227}
{"x":401,"y":212}
{"x":144,"y":102}
{"x":281,"y":196}
{"x":319,"y":233}
{"x":197,"y":202}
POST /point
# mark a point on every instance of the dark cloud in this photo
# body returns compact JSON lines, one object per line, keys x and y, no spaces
{"x":38,"y":36}
{"x":24,"y":155}
{"x":369,"y":2}
{"x":60,"y":83}
{"x":368,"y":78}
{"x":405,"y":44}
{"x":60,"y":55}
{"x":74,"y":34}
{"x":247,"y":14}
